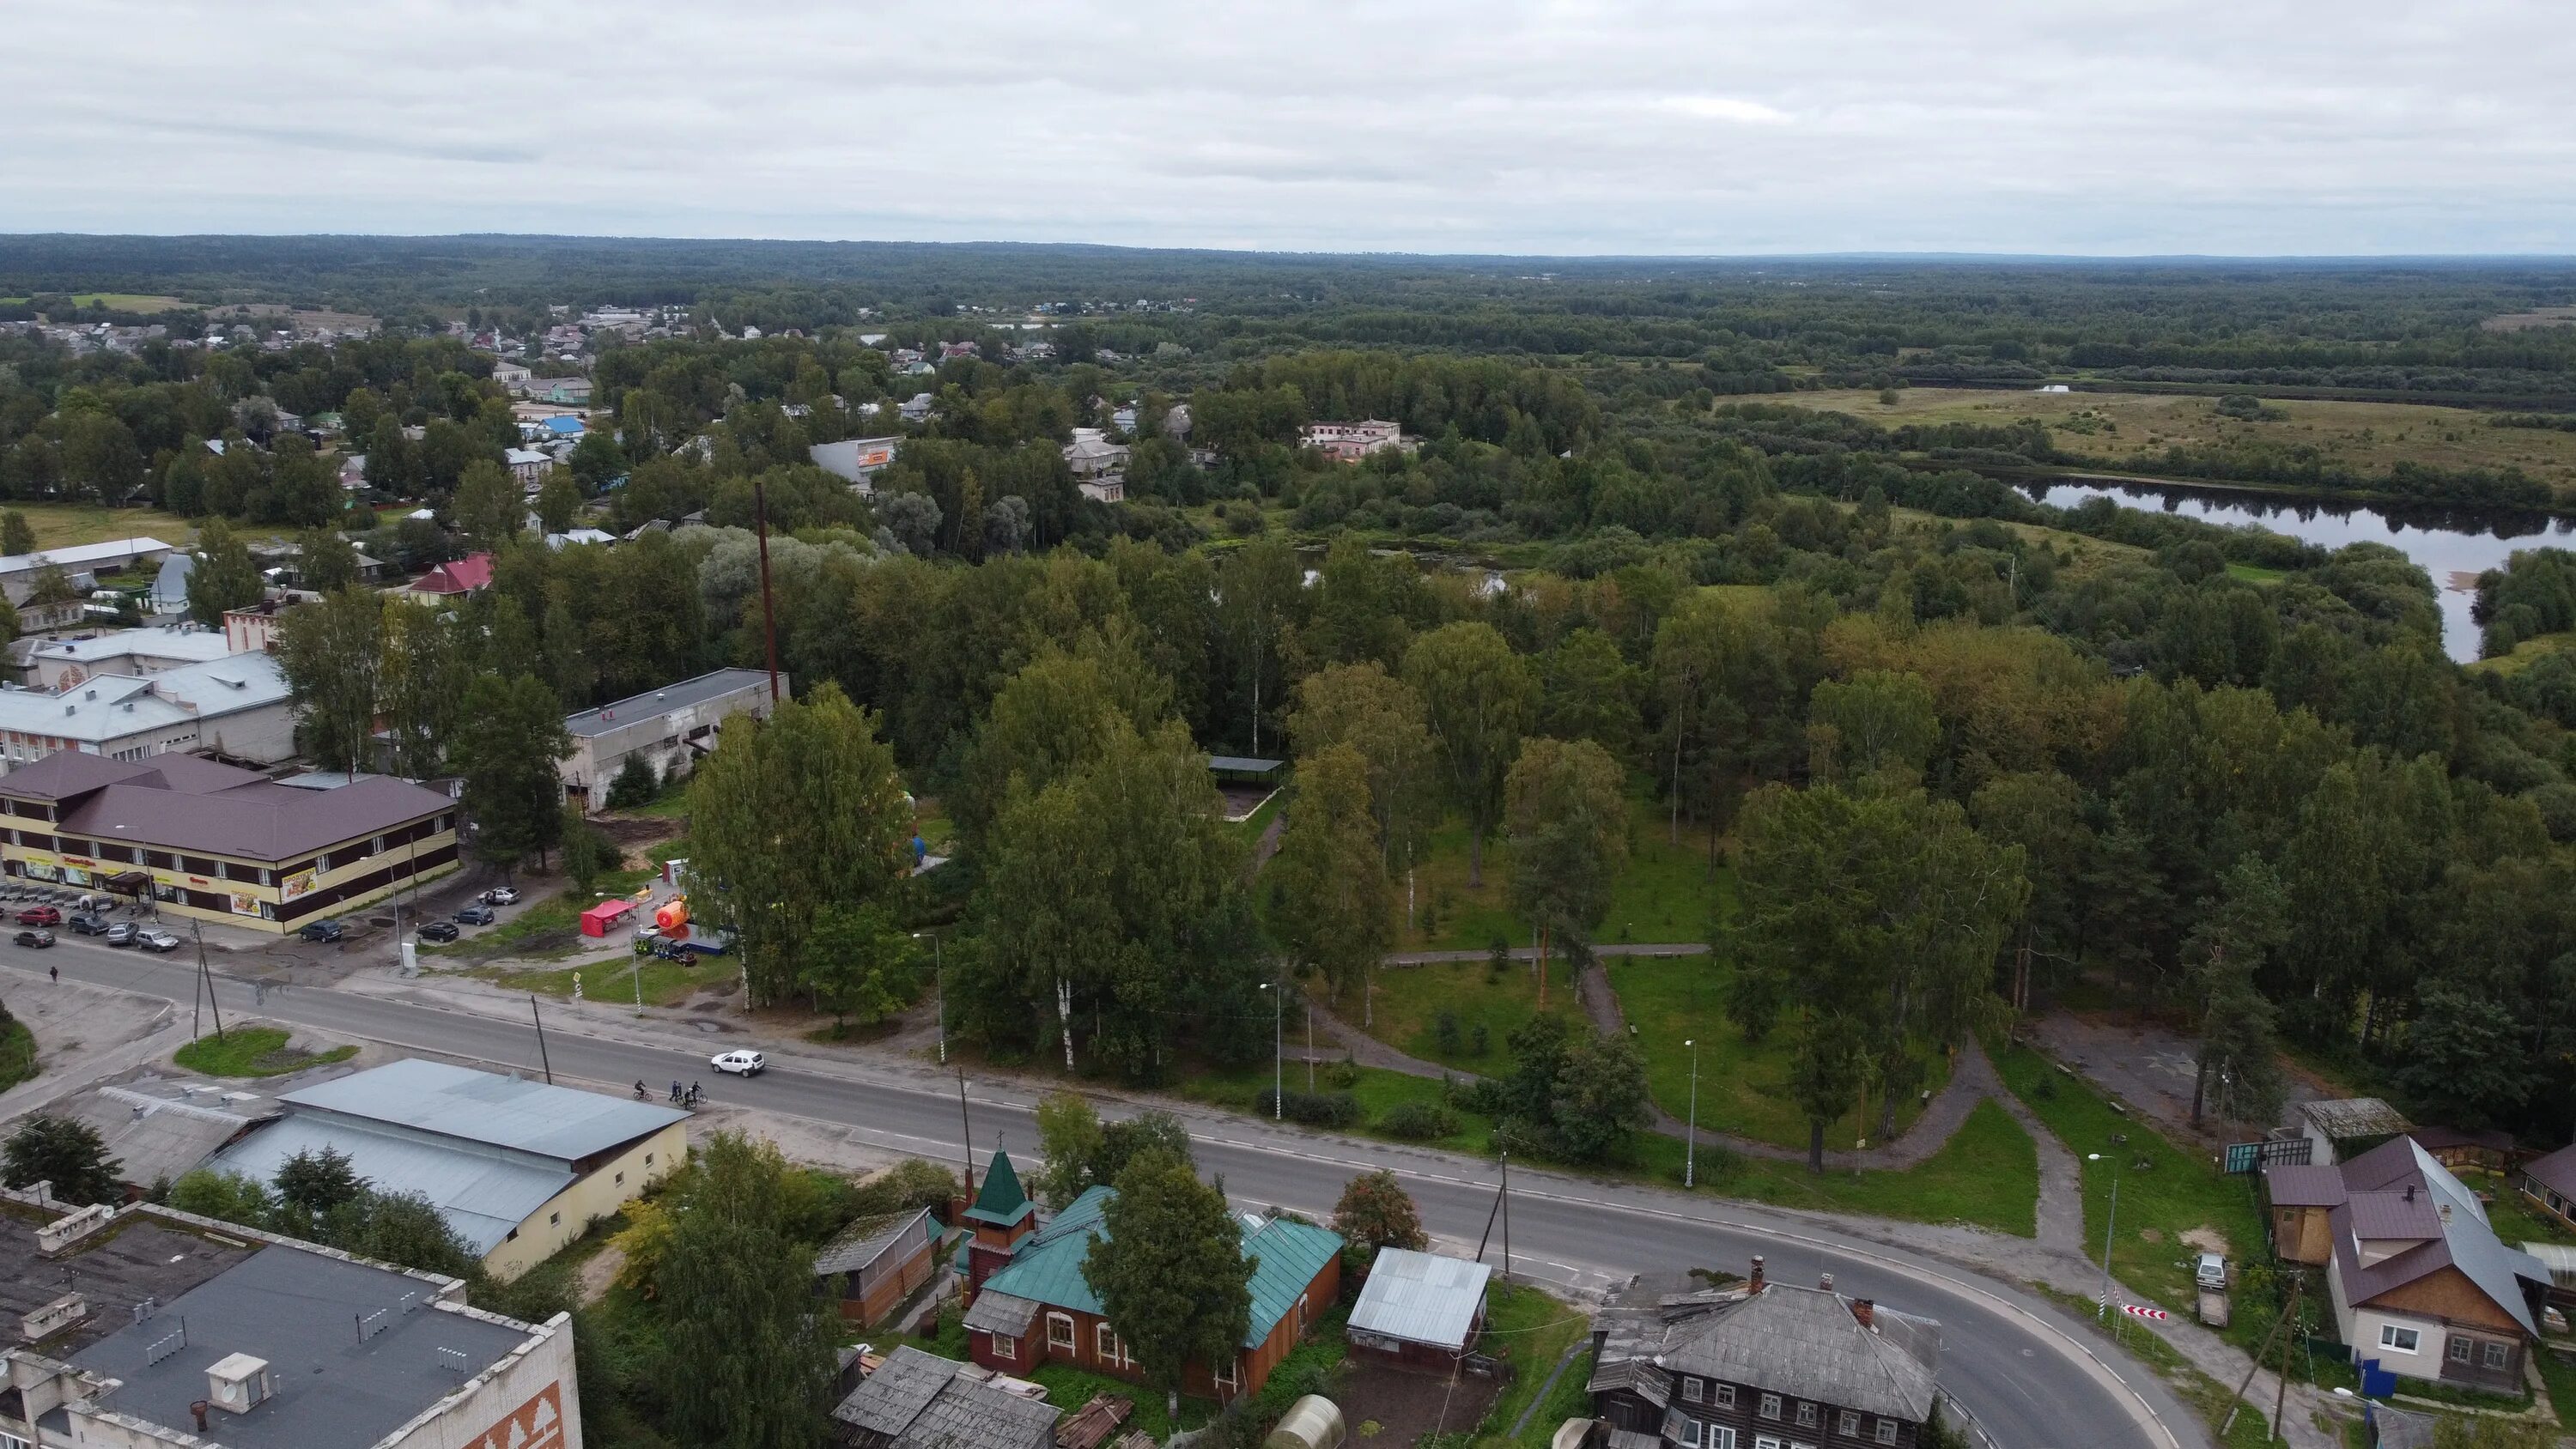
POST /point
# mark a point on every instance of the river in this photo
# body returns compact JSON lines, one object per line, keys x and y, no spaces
{"x":2454,"y":545}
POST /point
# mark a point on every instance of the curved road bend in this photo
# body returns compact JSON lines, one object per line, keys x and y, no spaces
{"x":2027,"y":1371}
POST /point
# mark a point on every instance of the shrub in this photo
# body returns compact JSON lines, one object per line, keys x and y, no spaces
{"x":1446,"y":1030}
{"x":1418,"y":1121}
{"x":634,"y":785}
{"x":1314,"y":1109}
{"x":1482,"y":1040}
{"x":1341,"y":1076}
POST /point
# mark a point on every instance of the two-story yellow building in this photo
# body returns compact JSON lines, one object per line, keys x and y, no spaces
{"x":218,"y":843}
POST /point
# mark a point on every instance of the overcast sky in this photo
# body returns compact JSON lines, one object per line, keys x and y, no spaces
{"x":2074,"y":126}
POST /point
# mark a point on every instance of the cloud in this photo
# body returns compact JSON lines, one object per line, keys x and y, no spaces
{"x":1688,"y":126}
{"x":1726,"y":108}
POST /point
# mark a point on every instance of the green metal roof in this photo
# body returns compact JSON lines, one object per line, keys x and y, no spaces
{"x":1002,"y":1201}
{"x":1048,"y":1267}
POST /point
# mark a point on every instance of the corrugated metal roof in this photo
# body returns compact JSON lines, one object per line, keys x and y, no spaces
{"x":686,"y":694}
{"x":1048,"y":1267}
{"x":1421,"y":1298}
{"x":483,"y":1195}
{"x":485,"y":1107}
{"x":863,"y":1242}
{"x":2299,"y":1184}
{"x":2380,"y":1216}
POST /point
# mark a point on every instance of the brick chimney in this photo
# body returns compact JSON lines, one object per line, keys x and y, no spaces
{"x":1754,"y":1283}
{"x":1865,"y":1312}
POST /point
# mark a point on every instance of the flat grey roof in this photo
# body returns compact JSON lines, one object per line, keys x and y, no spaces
{"x":486,"y":1107}
{"x":683,"y":695}
{"x":114,"y":1269}
{"x":1242,"y":764}
{"x":300,"y":1312}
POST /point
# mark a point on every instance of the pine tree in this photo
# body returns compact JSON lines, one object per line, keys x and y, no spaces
{"x":751,"y":1361}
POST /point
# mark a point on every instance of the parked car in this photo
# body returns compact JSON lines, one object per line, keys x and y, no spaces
{"x":2209,"y":1270}
{"x":83,"y":923}
{"x":36,"y":938}
{"x":156,"y":941}
{"x":747,"y":1064}
{"x":323,"y":931}
{"x":438,"y":931}
{"x":40,"y":916}
{"x":499,"y":896}
{"x":123,"y":933}
{"x":478,"y":915}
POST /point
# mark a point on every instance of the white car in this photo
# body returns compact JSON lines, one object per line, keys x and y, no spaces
{"x":748,"y":1064}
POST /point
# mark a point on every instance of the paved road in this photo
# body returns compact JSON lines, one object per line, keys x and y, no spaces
{"x":2020,"y":1364}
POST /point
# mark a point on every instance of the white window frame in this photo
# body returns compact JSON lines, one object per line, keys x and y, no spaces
{"x":2496,"y":1355}
{"x":1224,"y":1376}
{"x":1720,"y":1437}
{"x":1726,"y":1396}
{"x":1006,"y":1346}
{"x":1765,"y":1441}
{"x":12,"y":1441}
{"x":1108,"y":1346}
{"x":2463,"y":1350}
{"x":1694,"y":1391}
{"x":1806,"y":1417}
{"x":1070,"y":1341}
{"x":1690,"y":1432}
{"x":1771,"y":1407}
{"x":1847,"y":1423}
{"x":2388,"y":1334}
{"x":1886,"y":1430}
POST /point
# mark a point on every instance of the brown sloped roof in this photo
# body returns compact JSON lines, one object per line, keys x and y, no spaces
{"x":2301,"y":1184}
{"x":2556,"y":1172}
{"x":257,"y":821}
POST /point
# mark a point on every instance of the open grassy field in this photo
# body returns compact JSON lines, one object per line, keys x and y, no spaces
{"x":2112,"y":427}
{"x":65,"y":525}
{"x":253,"y":1051}
{"x":2525,"y":652}
{"x":2173,"y":1201}
{"x":117,"y":301}
{"x":1410,"y":1001}
{"x":1532,"y":1329}
{"x":1664,"y":895}
{"x":1743,"y":1086}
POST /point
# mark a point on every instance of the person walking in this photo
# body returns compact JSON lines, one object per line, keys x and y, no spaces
{"x":56,"y":973}
{"x":675,"y":1089}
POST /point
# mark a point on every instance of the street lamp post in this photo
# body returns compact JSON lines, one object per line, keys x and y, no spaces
{"x":1690,"y":1150}
{"x":1278,"y":1050}
{"x":2110,"y":1226}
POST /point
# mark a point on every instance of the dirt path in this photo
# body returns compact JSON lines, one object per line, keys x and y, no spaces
{"x":599,"y":1273}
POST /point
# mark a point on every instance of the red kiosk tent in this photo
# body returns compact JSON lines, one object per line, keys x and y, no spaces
{"x":613,"y":911}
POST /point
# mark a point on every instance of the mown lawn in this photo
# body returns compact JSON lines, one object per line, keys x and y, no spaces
{"x":664,"y":983}
{"x":2166,"y":1192}
{"x":1986,"y":1176}
{"x":1664,"y":895}
{"x":559,"y":916}
{"x":253,"y":1051}
{"x":65,"y":525}
{"x":1743,"y":1086}
{"x":1410,"y":1001}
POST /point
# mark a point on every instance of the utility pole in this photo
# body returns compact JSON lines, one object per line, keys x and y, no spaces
{"x":2235,"y":1401}
{"x":1507,"y":1217}
{"x":939,"y":984}
{"x":1310,"y":1048}
{"x":2110,"y":1227}
{"x":542,"y":1059}
{"x":206,"y":974}
{"x":768,"y":609}
{"x":969,"y":1125}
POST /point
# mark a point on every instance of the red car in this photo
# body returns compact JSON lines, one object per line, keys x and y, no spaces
{"x":40,"y":916}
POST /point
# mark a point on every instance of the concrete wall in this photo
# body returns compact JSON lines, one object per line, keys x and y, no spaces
{"x":599,"y":1194}
{"x":530,"y":1400}
{"x":662,"y":737}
